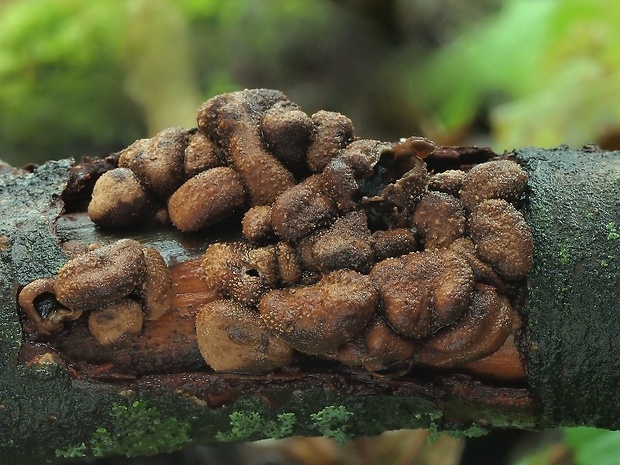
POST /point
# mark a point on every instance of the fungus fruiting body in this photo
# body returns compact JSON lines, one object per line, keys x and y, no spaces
{"x":102,"y":282}
{"x":367,"y":252}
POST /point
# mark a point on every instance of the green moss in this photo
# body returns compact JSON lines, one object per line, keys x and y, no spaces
{"x":332,"y":422}
{"x":564,"y":255}
{"x":135,"y":430}
{"x":244,"y":425}
{"x":612,"y":232}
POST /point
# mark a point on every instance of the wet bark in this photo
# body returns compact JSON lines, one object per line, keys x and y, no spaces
{"x":563,"y":369}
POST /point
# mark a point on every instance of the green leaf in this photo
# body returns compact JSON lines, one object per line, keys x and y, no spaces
{"x":592,"y":446}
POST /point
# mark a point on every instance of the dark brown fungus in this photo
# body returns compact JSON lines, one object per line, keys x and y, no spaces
{"x":201,"y":154}
{"x":481,"y":331}
{"x":318,"y":318}
{"x":301,"y":210}
{"x":393,"y":243}
{"x":502,"y":238}
{"x":256,"y":224}
{"x":119,"y":200}
{"x":498,"y":179}
{"x":440,"y":219}
{"x":206,"y":199}
{"x":156,"y":290}
{"x":158,"y":162}
{"x":288,"y":132}
{"x":333,"y":133}
{"x":449,"y":181}
{"x":423,"y":291}
{"x":235,"y":119}
{"x":96,"y":278}
{"x":415,"y":146}
{"x":232,"y":338}
{"x":346,"y":244}
{"x":377,"y":348}
{"x":116,"y":321}
{"x":239,"y":271}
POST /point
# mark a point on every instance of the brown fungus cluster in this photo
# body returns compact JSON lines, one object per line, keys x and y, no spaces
{"x":120,"y":285}
{"x":354,"y":250}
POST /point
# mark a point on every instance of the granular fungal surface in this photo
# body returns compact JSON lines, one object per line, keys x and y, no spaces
{"x":383,"y":255}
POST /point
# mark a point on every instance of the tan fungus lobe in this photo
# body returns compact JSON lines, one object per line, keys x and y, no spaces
{"x":158,"y":162}
{"x":289,"y":271}
{"x":449,"y":181}
{"x":206,"y":199}
{"x":345,"y":244}
{"x":301,"y":210}
{"x":440,"y":219}
{"x":483,"y":272}
{"x":235,"y":119}
{"x":119,"y":200}
{"x":239,"y":271}
{"x":393,"y":243}
{"x":497,"y":179}
{"x":201,"y":154}
{"x":481,"y":331}
{"x":116,"y":321}
{"x":288,"y":132}
{"x":502,"y":238}
{"x":96,"y":278}
{"x":333,"y":132}
{"x":423,"y":291}
{"x":318,"y":318}
{"x":377,"y":347}
{"x":256,"y":224}
{"x":156,"y":290}
{"x":232,"y":338}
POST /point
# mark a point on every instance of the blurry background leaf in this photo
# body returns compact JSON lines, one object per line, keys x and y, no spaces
{"x":592,"y":446}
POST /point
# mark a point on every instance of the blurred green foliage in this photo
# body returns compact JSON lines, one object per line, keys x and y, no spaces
{"x":592,"y":446}
{"x":81,"y":77}
{"x":547,"y":70}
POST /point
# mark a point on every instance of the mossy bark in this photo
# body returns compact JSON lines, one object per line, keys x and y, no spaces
{"x":572,"y":343}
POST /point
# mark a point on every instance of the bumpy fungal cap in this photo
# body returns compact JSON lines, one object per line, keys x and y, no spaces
{"x":423,"y":291}
{"x":158,"y":162}
{"x":239,"y":271}
{"x":235,"y":121}
{"x":346,"y":244}
{"x":301,"y":210}
{"x":156,"y":290}
{"x":449,"y":181}
{"x":318,"y":318}
{"x":333,"y":133}
{"x":377,"y":348}
{"x":201,"y":154}
{"x":483,"y":272}
{"x":116,"y":321}
{"x":119,"y":200}
{"x":288,"y":132}
{"x":96,"y":278}
{"x":206,"y":199}
{"x":232,"y":338}
{"x":440,"y":219}
{"x":393,"y":243}
{"x":256,"y":224}
{"x":481,"y":331}
{"x":498,"y":179}
{"x":502,"y":238}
